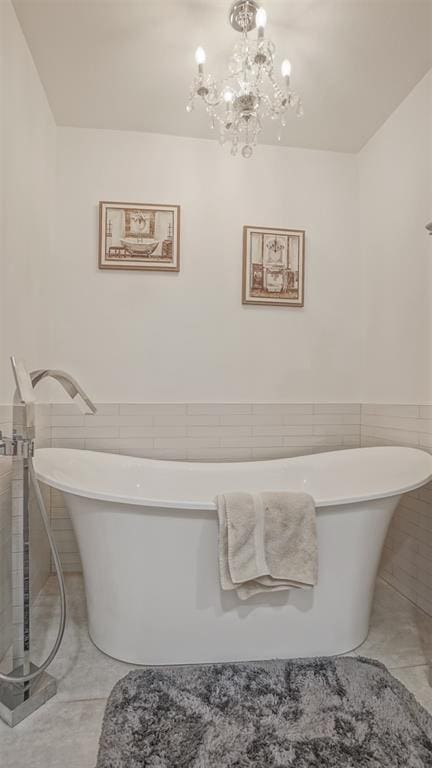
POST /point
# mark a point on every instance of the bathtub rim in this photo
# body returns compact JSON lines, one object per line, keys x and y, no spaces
{"x":210,"y":506}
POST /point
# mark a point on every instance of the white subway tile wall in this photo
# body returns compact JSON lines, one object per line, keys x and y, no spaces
{"x":11,"y":572}
{"x":197,"y":431}
{"x":40,"y":561}
{"x":407,"y":556}
{"x":5,"y":538}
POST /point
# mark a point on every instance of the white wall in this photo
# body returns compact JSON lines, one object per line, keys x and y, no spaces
{"x":395,"y":173}
{"x":133,"y":336}
{"x":27,"y":161}
{"x":27,"y":164}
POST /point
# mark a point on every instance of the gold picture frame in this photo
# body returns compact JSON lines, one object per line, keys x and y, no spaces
{"x":273,"y":266}
{"x":139,"y":236}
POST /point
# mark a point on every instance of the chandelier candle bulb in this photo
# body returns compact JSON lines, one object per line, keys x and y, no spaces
{"x":261,"y":21}
{"x":200,"y":58}
{"x":228,"y":99}
{"x":286,"y":70}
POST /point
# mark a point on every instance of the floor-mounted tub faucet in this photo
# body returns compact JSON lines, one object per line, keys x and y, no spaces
{"x":28,"y":686}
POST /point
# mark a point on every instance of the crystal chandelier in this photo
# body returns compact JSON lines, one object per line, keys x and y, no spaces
{"x":239,"y":103}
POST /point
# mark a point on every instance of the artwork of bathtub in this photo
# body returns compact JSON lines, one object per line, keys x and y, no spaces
{"x":147,"y":533}
{"x":143,"y":246}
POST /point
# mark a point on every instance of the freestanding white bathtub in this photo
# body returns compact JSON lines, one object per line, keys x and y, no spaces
{"x":147,"y":533}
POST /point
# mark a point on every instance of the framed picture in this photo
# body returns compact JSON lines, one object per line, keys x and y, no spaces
{"x":273,"y":266}
{"x":139,"y":236}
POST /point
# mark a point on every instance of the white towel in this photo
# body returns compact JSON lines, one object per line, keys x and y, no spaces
{"x":267,"y":542}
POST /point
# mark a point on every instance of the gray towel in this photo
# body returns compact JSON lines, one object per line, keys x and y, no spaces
{"x":267,"y":542}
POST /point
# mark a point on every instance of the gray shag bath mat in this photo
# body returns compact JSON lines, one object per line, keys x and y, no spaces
{"x":306,"y":713}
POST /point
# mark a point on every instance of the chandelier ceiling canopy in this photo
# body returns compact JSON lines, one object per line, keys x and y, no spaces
{"x":250,"y":92}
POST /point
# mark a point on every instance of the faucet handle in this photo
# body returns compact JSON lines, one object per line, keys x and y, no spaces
{"x":23,"y":447}
{"x":5,"y":445}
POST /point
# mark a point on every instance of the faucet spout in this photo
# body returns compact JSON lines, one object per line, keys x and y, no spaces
{"x":26,"y":382}
{"x":69,"y":384}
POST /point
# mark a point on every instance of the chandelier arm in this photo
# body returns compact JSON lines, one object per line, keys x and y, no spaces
{"x":209,"y":101}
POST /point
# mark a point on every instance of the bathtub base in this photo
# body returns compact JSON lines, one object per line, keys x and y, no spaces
{"x":153,"y":594}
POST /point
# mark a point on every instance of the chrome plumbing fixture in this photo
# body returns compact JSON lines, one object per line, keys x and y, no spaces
{"x":28,"y":686}
{"x":16,"y":446}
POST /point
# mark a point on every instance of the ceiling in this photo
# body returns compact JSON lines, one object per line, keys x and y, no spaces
{"x":128,"y":65}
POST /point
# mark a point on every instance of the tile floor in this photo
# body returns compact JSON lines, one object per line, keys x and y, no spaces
{"x":64,"y":733}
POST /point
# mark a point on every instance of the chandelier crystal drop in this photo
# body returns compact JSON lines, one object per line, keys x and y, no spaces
{"x":250,"y":93}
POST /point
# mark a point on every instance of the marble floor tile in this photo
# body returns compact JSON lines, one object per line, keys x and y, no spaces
{"x":416,"y":679}
{"x":58,"y":735}
{"x":82,"y":671}
{"x":65,"y":732}
{"x":400,"y":634}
